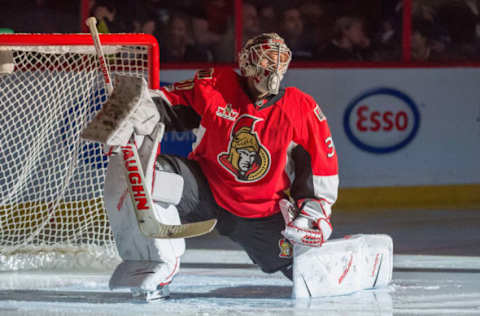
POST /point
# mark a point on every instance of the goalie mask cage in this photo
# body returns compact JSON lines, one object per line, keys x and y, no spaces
{"x":51,"y":182}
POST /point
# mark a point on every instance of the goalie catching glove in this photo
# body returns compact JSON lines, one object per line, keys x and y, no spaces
{"x":129,"y":109}
{"x":311,"y":227}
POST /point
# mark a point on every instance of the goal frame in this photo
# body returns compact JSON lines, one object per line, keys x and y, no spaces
{"x":130,"y":39}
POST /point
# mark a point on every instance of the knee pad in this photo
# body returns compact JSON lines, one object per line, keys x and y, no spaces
{"x":167,"y":184}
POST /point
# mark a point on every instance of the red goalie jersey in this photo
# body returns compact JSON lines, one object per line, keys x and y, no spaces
{"x":252,"y":153}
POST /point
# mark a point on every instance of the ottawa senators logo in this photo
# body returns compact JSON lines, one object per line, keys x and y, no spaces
{"x":286,"y":249}
{"x":247,"y":160}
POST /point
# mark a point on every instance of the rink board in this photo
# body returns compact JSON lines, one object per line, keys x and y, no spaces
{"x":465,"y":196}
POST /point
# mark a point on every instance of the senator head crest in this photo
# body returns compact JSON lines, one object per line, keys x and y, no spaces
{"x":247,"y":160}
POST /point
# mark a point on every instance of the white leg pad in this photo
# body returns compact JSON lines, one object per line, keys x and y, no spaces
{"x":342,"y":266}
{"x":143,"y":275}
{"x":132,"y":245}
{"x":169,"y":215}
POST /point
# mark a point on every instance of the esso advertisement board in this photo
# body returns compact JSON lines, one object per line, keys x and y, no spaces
{"x":381,"y":120}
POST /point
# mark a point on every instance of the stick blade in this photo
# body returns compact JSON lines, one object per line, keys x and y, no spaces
{"x":183,"y":230}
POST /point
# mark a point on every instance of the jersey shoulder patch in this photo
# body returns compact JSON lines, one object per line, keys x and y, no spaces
{"x":319,"y":113}
{"x":205,"y":74}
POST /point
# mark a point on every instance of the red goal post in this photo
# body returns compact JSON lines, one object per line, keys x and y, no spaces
{"x":85,"y":40}
{"x":51,"y":181}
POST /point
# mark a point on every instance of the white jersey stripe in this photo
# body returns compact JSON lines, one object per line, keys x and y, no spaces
{"x":326,"y":187}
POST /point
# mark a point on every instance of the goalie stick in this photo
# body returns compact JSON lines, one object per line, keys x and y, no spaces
{"x":139,"y":194}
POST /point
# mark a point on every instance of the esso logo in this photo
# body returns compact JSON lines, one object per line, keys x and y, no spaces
{"x":381,"y":120}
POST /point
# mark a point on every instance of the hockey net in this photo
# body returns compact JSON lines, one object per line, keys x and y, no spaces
{"x":51,"y":181}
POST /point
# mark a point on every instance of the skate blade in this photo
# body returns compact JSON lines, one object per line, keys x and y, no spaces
{"x":143,"y":296}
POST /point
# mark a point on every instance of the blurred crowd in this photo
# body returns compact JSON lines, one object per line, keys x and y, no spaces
{"x":315,"y":30}
{"x":40,"y":16}
{"x":445,"y":30}
{"x":204,"y":30}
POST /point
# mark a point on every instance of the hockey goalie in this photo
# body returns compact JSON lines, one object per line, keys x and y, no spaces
{"x":263,"y":165}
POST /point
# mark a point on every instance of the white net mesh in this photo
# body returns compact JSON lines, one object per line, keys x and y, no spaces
{"x":51,"y":181}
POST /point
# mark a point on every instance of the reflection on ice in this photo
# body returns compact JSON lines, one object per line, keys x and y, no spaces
{"x":194,"y":292}
{"x":234,"y":292}
{"x":375,"y":303}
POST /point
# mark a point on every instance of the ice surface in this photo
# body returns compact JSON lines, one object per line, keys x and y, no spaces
{"x":223,"y":282}
{"x":245,"y":290}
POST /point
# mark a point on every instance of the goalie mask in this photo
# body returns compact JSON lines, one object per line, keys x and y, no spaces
{"x":265,"y":58}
